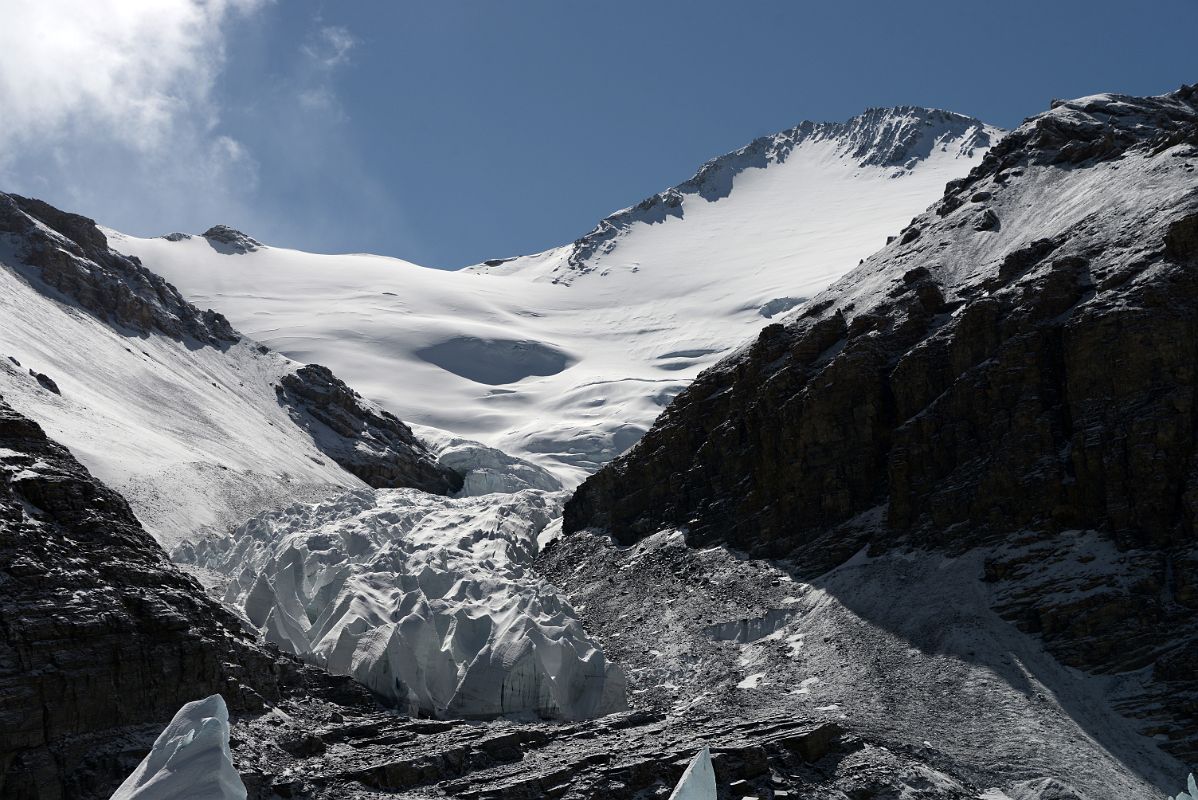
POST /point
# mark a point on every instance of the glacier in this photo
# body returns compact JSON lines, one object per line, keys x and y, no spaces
{"x":190,"y":759}
{"x":698,"y":781}
{"x":429,"y":601}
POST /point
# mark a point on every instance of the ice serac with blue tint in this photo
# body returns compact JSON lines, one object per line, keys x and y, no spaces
{"x":698,"y":782}
{"x":190,"y":759}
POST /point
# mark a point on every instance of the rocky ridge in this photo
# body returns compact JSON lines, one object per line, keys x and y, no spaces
{"x":1016,"y":367}
{"x":70,"y":255}
{"x":363,"y":439}
{"x":67,"y":257}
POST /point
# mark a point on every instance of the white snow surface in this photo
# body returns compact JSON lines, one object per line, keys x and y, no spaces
{"x":190,"y":759}
{"x":485,"y":470}
{"x":427,"y":600}
{"x":698,"y":781}
{"x":192,"y":436}
{"x":567,"y":356}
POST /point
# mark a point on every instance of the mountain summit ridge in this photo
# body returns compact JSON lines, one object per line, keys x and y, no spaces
{"x":896,"y":137}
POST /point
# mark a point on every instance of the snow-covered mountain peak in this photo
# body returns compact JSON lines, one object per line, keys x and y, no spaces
{"x":891,"y":141}
{"x":905,"y":135}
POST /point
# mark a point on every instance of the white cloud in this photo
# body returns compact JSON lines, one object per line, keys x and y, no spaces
{"x":107,"y":108}
{"x":132,"y":70}
{"x":326,"y":50}
{"x":330,"y":47}
{"x":112,"y":109}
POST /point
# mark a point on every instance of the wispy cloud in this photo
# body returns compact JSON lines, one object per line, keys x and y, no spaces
{"x":330,"y":46}
{"x":327,"y":49}
{"x":117,"y":90}
{"x":132,"y":70}
{"x":122,"y":110}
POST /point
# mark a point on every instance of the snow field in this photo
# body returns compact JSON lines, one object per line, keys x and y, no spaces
{"x":566,"y":357}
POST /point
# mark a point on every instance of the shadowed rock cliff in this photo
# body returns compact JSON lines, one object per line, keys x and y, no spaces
{"x":99,"y":632}
{"x":365,"y":440}
{"x":69,"y":254}
{"x":1021,"y":362}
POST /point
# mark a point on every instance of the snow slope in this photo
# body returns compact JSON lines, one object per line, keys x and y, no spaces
{"x":567,"y":356}
{"x":428,"y":600}
{"x":190,"y":759}
{"x":192,"y":436}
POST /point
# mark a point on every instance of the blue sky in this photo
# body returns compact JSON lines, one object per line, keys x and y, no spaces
{"x":447,"y":132}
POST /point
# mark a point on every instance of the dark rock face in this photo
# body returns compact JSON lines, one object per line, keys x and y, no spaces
{"x":68,"y":253}
{"x":102,"y":639}
{"x":334,"y":756}
{"x":366,"y":441}
{"x":232,"y":239}
{"x":979,"y":382}
{"x":45,"y":381}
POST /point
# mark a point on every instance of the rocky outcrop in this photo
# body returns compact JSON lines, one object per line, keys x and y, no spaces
{"x":68,"y":254}
{"x":101,"y":637}
{"x":364,"y":439}
{"x":231,"y":239}
{"x":66,"y":257}
{"x":309,"y":753}
{"x":1020,"y":362}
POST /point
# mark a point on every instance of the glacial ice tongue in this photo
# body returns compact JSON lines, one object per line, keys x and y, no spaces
{"x":698,"y":782}
{"x":429,"y":601}
{"x":190,"y":759}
